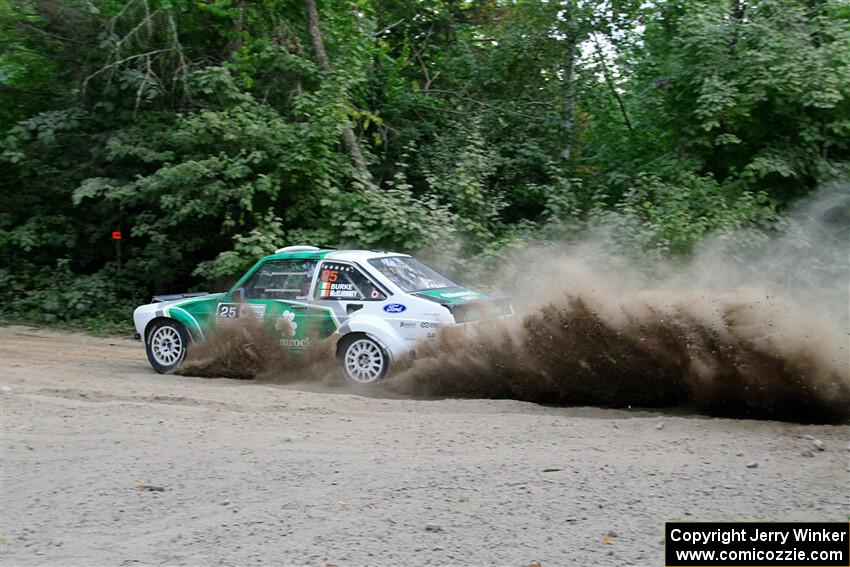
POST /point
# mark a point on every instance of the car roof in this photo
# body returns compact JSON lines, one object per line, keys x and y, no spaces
{"x":331,"y":254}
{"x":361,"y":255}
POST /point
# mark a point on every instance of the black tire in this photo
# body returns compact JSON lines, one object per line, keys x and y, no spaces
{"x":166,"y":343}
{"x":362,"y":360}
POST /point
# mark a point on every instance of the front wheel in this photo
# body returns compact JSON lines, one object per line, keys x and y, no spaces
{"x":363,"y":360}
{"x":166,"y":345}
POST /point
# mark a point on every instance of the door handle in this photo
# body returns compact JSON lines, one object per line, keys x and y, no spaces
{"x":352,"y":307}
{"x":298,"y":307}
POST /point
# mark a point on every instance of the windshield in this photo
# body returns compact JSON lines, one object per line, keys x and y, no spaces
{"x":410,"y":274}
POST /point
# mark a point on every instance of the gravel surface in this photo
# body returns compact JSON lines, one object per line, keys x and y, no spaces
{"x":106,"y":463}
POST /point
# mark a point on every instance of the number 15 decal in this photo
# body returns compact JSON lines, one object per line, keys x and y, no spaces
{"x":329,"y":276}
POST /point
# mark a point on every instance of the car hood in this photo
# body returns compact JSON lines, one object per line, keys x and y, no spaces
{"x":449,"y":295}
{"x":468,"y":305}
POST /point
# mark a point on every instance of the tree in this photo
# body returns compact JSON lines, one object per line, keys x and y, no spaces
{"x":210,"y":132}
{"x":349,"y":140}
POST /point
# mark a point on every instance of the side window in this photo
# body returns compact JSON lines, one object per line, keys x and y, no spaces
{"x":281,"y":279}
{"x":344,"y":281}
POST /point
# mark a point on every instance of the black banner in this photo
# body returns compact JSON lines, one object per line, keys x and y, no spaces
{"x":757,"y":544}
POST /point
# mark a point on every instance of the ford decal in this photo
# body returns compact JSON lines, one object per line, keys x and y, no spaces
{"x":394,"y":308}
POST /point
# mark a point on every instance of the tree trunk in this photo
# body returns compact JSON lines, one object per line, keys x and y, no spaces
{"x":571,"y":34}
{"x":569,"y":99}
{"x":315,"y":34}
{"x":349,"y":140}
{"x":600,"y":56}
{"x":738,"y":10}
{"x":235,"y":44}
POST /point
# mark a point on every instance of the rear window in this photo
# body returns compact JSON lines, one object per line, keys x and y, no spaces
{"x":410,"y":274}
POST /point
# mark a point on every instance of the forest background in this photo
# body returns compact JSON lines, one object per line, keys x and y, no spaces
{"x":211,"y":132}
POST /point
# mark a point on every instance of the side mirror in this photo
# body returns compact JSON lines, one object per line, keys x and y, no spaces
{"x":237,"y":294}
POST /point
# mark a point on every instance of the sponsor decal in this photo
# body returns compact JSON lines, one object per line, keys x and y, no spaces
{"x":339,"y":290}
{"x":395,"y":308}
{"x":259,"y":310}
{"x":294,"y":343}
{"x":430,"y":325}
{"x":286,"y":323}
{"x":407,"y":324}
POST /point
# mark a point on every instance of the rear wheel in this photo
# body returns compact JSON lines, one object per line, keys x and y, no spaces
{"x":363,"y":360}
{"x":166,"y":345}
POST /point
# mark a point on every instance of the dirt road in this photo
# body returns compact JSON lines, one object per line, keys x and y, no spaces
{"x":264,"y":474}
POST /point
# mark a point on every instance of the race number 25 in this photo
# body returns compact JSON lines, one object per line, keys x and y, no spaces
{"x":228,"y":311}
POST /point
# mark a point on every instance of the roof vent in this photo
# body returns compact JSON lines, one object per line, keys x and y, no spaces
{"x":296,"y":249}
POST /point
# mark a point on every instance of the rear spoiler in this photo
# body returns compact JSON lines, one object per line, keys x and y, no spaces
{"x":175,"y":296}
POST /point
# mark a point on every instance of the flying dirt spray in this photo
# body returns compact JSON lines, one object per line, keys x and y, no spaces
{"x":743,"y":329}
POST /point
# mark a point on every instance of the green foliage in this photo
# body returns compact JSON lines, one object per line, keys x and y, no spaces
{"x":458,"y":175}
{"x":262,"y":240}
{"x":56,"y":295}
{"x":680,"y":213}
{"x":210,"y":135}
{"x":759,"y":102}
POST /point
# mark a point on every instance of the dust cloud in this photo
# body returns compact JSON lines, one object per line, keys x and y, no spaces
{"x":748,"y":327}
{"x":246,"y":349}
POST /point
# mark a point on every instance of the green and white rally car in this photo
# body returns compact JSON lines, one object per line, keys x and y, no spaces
{"x":377,"y":305}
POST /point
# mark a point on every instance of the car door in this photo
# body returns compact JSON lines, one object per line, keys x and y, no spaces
{"x":278,"y":292}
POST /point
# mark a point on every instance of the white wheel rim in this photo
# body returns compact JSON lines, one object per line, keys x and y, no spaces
{"x":166,"y":346}
{"x":364,"y":361}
